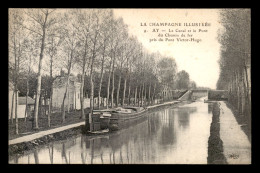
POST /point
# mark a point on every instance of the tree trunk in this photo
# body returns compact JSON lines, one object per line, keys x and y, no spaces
{"x":142,"y":93}
{"x":39,"y":78}
{"x":129,"y":93}
{"x":75,"y":101}
{"x":50,"y":106}
{"x":139,"y":96}
{"x":149,"y":94}
{"x":145,"y":94}
{"x":16,"y":113}
{"x":68,"y":98}
{"x":63,"y":101}
{"x":123,"y":99}
{"x":17,"y":62}
{"x":245,"y":100}
{"x":91,"y":93}
{"x":45,"y":103}
{"x":118,"y":89}
{"x":26,"y":101}
{"x":113,"y":87}
{"x":101,"y":79}
{"x":40,"y":104}
{"x":108,"y":83}
{"x":82,"y":94}
{"x":51,"y":85}
{"x":248,"y":85}
{"x":91,"y":82}
{"x":135,"y":95}
{"x":67,"y":88}
{"x":12,"y":108}
{"x":153,"y":97}
{"x":238,"y":92}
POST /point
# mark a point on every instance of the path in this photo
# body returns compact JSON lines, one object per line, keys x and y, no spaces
{"x":236,"y":146}
{"x":185,"y":96}
{"x":43,"y":133}
{"x":166,"y":103}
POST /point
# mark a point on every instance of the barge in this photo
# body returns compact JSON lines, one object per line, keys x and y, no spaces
{"x":115,"y":119}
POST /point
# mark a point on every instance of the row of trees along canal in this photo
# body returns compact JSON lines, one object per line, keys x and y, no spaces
{"x":108,"y":61}
{"x":235,"y":59}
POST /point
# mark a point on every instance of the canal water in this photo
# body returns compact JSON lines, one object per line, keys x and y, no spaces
{"x":174,"y":135}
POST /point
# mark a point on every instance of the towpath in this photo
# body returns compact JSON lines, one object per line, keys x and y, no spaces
{"x":236,"y":145}
{"x":43,"y":133}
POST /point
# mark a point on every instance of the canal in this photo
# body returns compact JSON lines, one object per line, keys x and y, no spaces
{"x":174,"y":135}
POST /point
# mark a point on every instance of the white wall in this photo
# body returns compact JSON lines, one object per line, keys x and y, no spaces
{"x":58,"y":94}
{"x":86,"y":103}
{"x":20,"y":111}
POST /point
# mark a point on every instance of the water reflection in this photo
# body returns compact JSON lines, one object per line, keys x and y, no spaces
{"x":174,"y":135}
{"x":184,"y":114}
{"x":210,"y":108}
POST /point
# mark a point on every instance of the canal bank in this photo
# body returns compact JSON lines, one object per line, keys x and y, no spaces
{"x":236,"y":144}
{"x":28,"y":142}
{"x":228,"y":143}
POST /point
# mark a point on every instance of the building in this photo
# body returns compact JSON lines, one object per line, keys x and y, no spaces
{"x":72,"y":100}
{"x":102,"y":101}
{"x":166,"y":92}
{"x":21,"y":103}
{"x":10,"y":98}
{"x":22,"y":106}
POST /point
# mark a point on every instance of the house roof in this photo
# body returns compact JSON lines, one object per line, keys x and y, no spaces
{"x":22,"y":101}
{"x":61,"y":81}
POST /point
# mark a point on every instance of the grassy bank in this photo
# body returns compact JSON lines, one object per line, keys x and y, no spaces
{"x":20,"y":148}
{"x":215,"y":144}
{"x":25,"y":128}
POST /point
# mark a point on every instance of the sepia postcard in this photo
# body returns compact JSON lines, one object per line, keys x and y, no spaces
{"x":129,"y":86}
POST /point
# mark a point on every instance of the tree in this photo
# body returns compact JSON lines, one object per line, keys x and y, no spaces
{"x":70,"y":46}
{"x":16,"y":37}
{"x":82,"y":27}
{"x":183,"y":80}
{"x":192,"y":85}
{"x":39,"y":22}
{"x":122,"y":55}
{"x":167,"y":69}
{"x":54,"y":41}
{"x":235,"y":59}
{"x":94,"y":46}
{"x":30,"y":53}
{"x":113,"y":48}
{"x":129,"y":56}
{"x":104,"y":34}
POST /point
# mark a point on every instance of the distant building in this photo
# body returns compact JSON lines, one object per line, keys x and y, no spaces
{"x":102,"y":101}
{"x":22,"y":106}
{"x":72,"y":100}
{"x":10,"y":98}
{"x":21,"y":103}
{"x":166,"y":92}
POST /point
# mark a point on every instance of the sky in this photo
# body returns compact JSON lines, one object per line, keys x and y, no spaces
{"x":200,"y":60}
